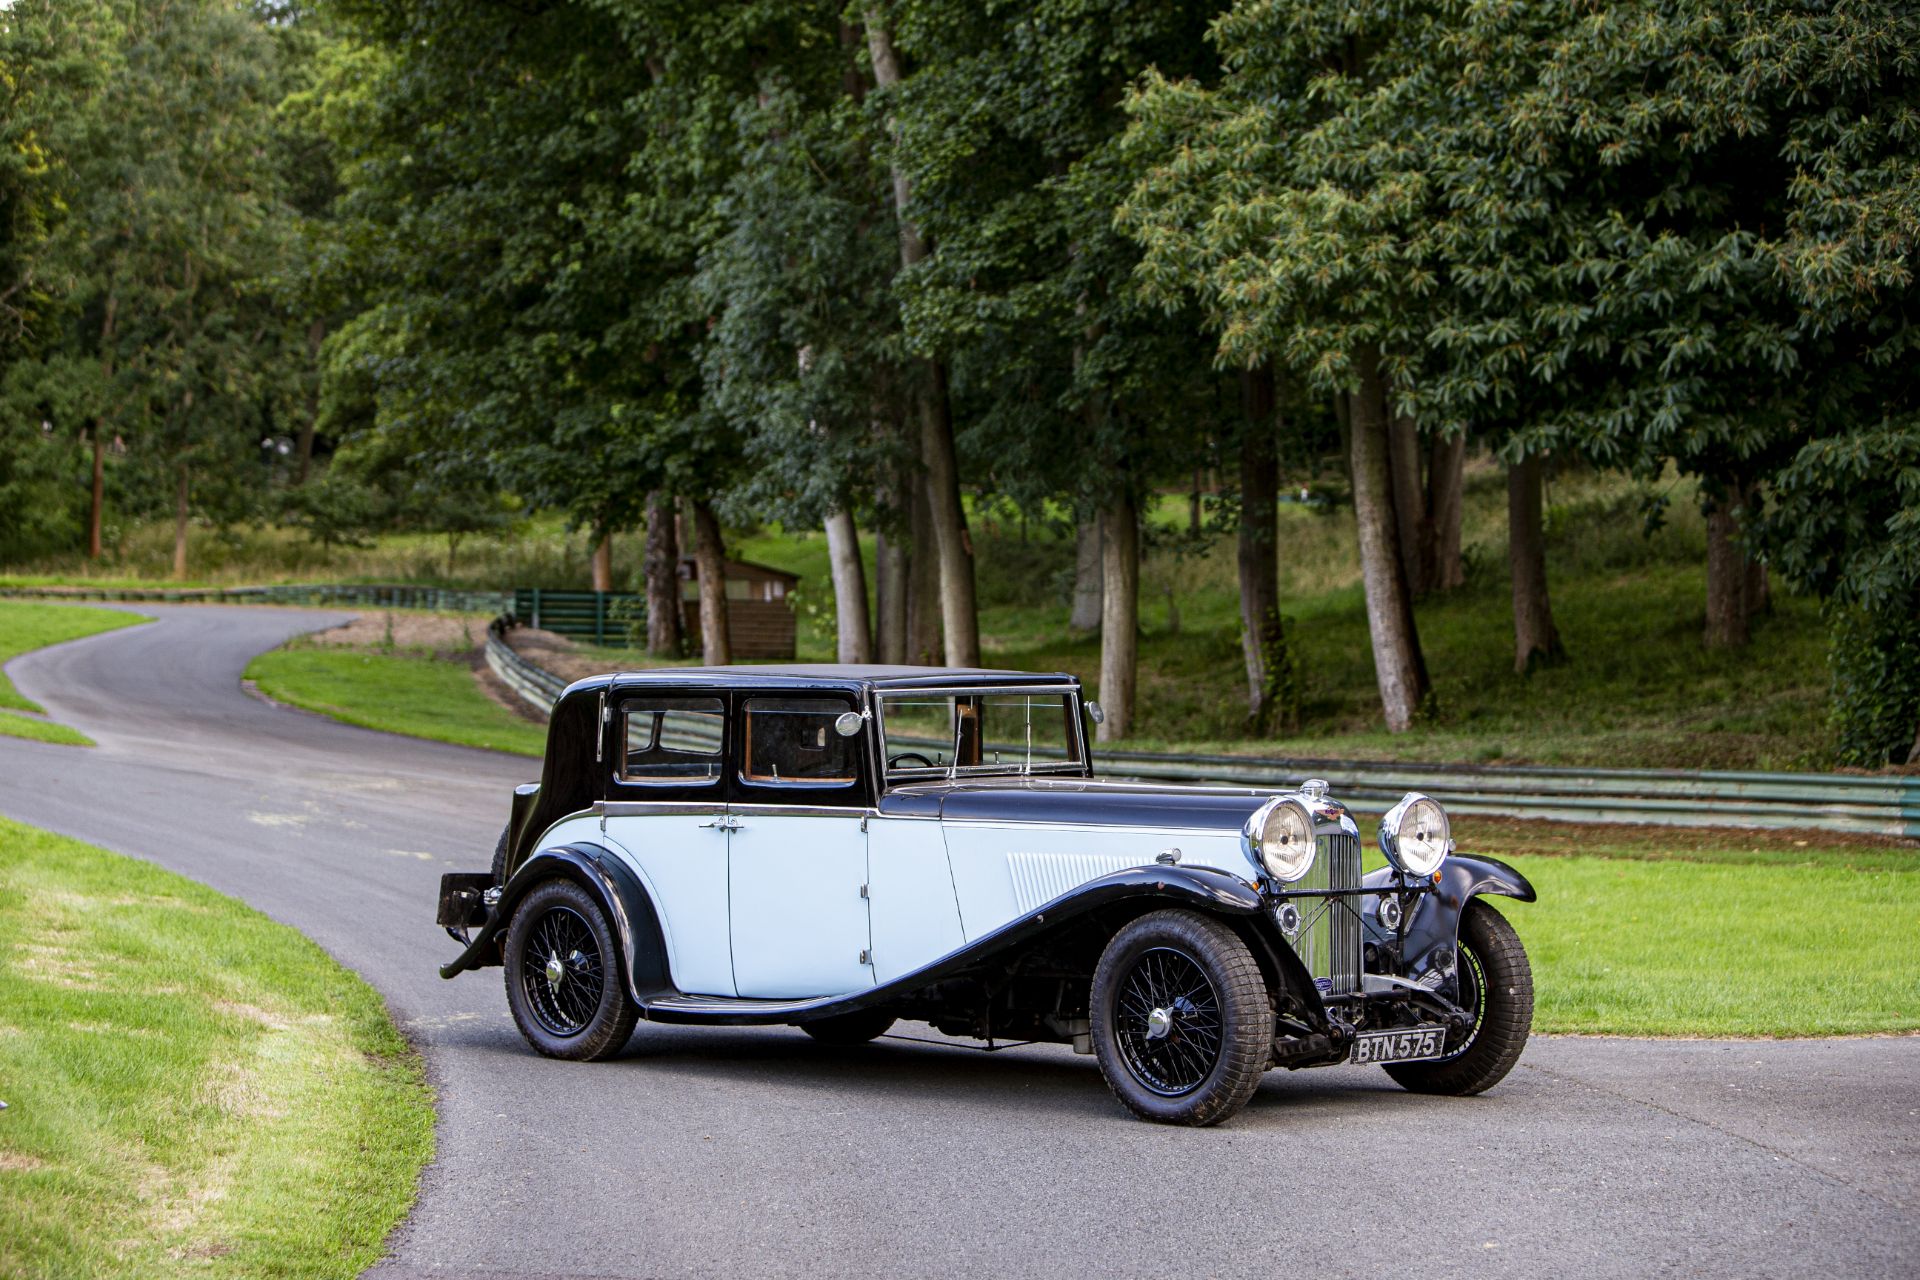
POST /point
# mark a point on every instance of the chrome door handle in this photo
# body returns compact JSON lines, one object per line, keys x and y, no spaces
{"x":725,"y":823}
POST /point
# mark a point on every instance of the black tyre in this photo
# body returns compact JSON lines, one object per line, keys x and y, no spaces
{"x":850,"y":1028}
{"x":1182,"y":1023}
{"x":1496,"y":986}
{"x":500,"y":855}
{"x":563,"y":975}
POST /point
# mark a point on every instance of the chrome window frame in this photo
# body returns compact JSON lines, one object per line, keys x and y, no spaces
{"x":1075,"y":706}
{"x":615,"y":726}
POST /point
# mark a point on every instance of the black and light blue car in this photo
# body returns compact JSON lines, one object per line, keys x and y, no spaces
{"x":842,"y":847}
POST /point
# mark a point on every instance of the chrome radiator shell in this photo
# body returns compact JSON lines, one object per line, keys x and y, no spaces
{"x":1330,"y":938}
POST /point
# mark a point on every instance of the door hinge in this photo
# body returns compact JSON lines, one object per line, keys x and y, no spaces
{"x":866,"y":957}
{"x":863,"y":891}
{"x":863,"y":823}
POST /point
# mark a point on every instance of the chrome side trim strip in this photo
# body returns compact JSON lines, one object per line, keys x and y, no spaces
{"x":803,"y":810}
{"x":655,"y":808}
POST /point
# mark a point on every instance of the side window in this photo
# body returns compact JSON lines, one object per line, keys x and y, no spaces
{"x":792,"y":740}
{"x":671,"y":741}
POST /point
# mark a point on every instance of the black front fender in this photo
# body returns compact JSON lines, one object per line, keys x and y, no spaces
{"x":1432,"y":928}
{"x":620,"y":894}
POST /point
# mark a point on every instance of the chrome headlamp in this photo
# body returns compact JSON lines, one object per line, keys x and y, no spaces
{"x":1279,"y":836}
{"x":1415,"y":835}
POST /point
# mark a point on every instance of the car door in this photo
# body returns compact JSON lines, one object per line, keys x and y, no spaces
{"x":797,"y":859}
{"x":666,"y":811}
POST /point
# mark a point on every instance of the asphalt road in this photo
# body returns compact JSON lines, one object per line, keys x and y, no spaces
{"x":757,"y":1152}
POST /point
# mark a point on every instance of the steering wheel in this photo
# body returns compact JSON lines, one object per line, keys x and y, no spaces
{"x":912,"y":757}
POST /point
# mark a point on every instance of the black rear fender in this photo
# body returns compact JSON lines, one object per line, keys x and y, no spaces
{"x":629,"y":909}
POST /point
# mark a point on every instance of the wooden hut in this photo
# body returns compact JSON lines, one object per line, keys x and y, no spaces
{"x":759,"y":608}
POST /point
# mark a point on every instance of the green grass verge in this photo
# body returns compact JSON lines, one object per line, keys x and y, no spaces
{"x":26,"y":626}
{"x":1673,"y":948}
{"x":193,"y":1088}
{"x":417,"y":695}
{"x":13,"y":725}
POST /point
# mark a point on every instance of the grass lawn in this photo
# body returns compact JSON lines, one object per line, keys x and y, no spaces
{"x":26,"y":626}
{"x":1681,"y":948}
{"x":418,"y":695}
{"x":193,"y":1089}
{"x":13,"y":725}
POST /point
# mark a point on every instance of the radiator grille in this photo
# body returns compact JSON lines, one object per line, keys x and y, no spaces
{"x":1330,"y":938}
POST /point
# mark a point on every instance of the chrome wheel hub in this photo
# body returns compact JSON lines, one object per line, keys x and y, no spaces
{"x":556,"y":969}
{"x":1159,"y":1023}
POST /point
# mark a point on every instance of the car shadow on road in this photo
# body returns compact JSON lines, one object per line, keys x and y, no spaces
{"x":916,"y":1062}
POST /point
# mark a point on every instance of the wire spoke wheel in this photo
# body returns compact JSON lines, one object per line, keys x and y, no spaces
{"x":1473,"y":990}
{"x":1168,"y":1023}
{"x":562,"y":971}
{"x":1495,"y":987}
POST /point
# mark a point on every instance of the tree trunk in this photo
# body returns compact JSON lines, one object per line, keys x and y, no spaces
{"x":603,"y":559}
{"x":923,"y":584}
{"x":316,"y":334}
{"x":99,"y":492}
{"x":96,"y":513}
{"x":1446,"y":469}
{"x":1119,"y":617}
{"x":1270,"y":696}
{"x":1193,"y":502}
{"x":1399,"y":666}
{"x":1411,"y":517}
{"x":891,"y":566}
{"x":1913,"y":752}
{"x":1536,"y":641}
{"x":855,"y":628}
{"x":1087,"y":568}
{"x":1726,"y":575}
{"x":958,"y":613}
{"x":1758,"y":590}
{"x":180,"y":526}
{"x":710,"y":567}
{"x":662,"y":570}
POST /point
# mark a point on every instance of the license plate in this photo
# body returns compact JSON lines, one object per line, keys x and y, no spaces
{"x":1409,"y":1045}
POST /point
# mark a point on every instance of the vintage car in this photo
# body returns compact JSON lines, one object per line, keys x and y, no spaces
{"x":839,"y":847}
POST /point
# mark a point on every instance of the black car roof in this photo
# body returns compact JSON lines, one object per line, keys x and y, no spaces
{"x":830,"y":675}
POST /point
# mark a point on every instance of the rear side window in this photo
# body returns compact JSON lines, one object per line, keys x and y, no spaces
{"x":671,"y":741}
{"x":792,"y":740}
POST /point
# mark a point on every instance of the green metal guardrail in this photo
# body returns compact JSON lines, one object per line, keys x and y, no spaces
{"x":581,"y":615}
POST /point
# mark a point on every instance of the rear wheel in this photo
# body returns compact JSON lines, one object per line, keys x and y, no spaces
{"x":563,"y":975}
{"x":1496,"y":986}
{"x":850,"y":1028}
{"x":1182,"y":1024}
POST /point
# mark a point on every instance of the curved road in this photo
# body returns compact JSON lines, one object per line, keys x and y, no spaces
{"x":757,"y":1152}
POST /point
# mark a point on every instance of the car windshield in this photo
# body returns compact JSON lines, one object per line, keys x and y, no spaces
{"x":934,"y":733}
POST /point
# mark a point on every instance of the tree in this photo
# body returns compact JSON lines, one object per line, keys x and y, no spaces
{"x":946,"y":515}
{"x":1306,"y":245}
{"x":1070,"y":387}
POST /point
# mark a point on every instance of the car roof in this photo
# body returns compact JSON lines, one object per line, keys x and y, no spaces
{"x":834,"y":675}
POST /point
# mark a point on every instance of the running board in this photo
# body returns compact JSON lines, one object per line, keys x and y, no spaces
{"x":739,"y":1011}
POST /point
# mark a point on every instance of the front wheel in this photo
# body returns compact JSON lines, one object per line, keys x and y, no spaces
{"x":563,"y":975}
{"x":1181,"y":1020}
{"x":1496,"y":987}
